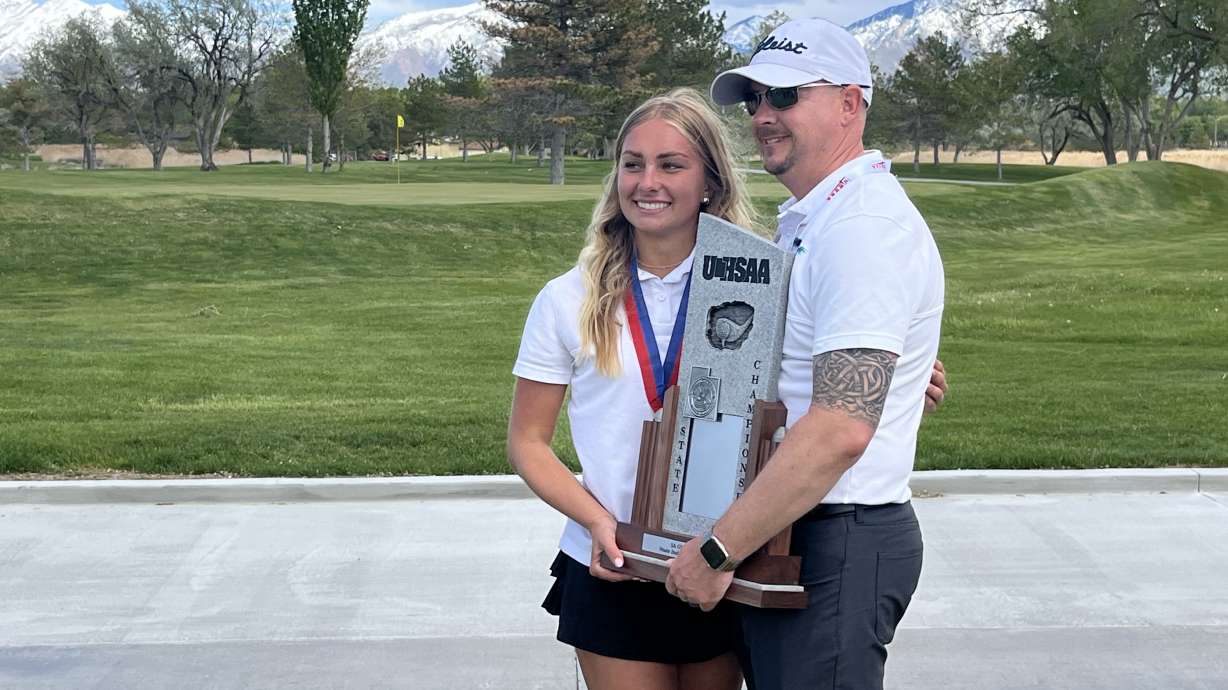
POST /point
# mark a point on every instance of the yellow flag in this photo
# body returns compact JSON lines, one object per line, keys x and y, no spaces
{"x":400,"y":122}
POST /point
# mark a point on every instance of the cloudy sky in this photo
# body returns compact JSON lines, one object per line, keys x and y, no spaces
{"x":839,"y":11}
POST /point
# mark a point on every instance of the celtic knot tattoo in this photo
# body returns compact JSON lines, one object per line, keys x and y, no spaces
{"x":854,"y":382}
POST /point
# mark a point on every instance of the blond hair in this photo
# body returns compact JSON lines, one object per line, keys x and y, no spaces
{"x":606,"y":257}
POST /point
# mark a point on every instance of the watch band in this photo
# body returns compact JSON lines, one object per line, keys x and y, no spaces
{"x":716,"y":555}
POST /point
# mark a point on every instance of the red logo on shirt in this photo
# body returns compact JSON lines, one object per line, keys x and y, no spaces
{"x":839,"y":186}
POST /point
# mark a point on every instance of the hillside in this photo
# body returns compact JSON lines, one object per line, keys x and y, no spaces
{"x":226,"y":323}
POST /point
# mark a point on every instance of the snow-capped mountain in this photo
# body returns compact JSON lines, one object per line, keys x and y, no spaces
{"x":888,"y":35}
{"x":740,"y":34}
{"x":22,"y":22}
{"x":417,"y":42}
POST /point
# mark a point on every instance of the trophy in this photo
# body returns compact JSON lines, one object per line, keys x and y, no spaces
{"x":717,"y":428}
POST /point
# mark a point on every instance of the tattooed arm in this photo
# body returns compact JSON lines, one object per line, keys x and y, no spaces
{"x":850,"y":390}
{"x":854,"y":382}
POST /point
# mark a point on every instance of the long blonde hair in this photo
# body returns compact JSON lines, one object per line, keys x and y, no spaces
{"x":606,"y":257}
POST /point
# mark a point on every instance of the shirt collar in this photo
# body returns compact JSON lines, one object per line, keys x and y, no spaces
{"x":679,"y":274}
{"x":817,"y":194}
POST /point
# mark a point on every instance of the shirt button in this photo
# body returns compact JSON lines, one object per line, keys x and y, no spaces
{"x":660,"y":298}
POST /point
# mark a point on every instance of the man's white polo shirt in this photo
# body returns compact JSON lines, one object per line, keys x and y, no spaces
{"x":606,"y":414}
{"x":866,"y":274}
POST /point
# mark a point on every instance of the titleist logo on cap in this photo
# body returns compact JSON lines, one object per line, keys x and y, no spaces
{"x":773,"y":43}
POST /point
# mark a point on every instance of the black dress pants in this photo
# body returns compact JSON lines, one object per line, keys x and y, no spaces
{"x":860,"y":567}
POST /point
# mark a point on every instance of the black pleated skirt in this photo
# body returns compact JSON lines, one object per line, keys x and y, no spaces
{"x":639,"y":621}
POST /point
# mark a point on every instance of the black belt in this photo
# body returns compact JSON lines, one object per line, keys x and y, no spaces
{"x":824,"y":511}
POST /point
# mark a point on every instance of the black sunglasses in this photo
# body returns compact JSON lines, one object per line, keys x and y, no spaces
{"x":779,"y":97}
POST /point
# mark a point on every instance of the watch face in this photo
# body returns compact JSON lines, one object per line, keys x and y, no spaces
{"x":712,"y":553}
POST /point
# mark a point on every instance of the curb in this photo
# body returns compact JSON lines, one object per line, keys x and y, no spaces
{"x":925,"y":484}
{"x":271,"y":490}
{"x":1161,"y":480}
{"x":970,"y":183}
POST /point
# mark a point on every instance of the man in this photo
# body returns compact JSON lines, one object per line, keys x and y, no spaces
{"x":861,"y":336}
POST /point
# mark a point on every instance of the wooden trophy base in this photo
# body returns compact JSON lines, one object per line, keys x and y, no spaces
{"x":763,"y":581}
{"x":768,"y":579}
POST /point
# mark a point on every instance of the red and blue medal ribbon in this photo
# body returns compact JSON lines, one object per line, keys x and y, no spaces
{"x":657,"y":375}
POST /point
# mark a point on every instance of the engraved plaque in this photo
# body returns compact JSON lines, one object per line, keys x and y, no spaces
{"x":730,"y":358}
{"x":663,"y":545}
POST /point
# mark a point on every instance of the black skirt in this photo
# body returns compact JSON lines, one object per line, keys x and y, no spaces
{"x":638,"y":621}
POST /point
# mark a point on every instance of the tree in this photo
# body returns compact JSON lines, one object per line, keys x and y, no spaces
{"x":282,"y":103}
{"x":145,"y":82}
{"x":1192,"y":134}
{"x":925,"y":84}
{"x":886,"y":121}
{"x":965,"y":116}
{"x":426,"y":115}
{"x":244,"y":126}
{"x":26,"y":108}
{"x":996,"y":80}
{"x":516,"y":106}
{"x":1051,"y":125}
{"x":381,"y":119}
{"x":462,"y":81}
{"x":1109,"y":58}
{"x":1067,"y":64}
{"x":325,"y":30}
{"x":8,"y":135}
{"x":575,"y":54}
{"x":690,"y":42}
{"x":1184,"y":41}
{"x":71,"y":67}
{"x":222,"y":46}
{"x":358,"y":99}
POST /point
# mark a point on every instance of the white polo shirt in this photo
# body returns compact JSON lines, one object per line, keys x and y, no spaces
{"x":606,"y":414}
{"x":866,"y":274}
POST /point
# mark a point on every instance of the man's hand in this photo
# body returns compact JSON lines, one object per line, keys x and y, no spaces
{"x":937,"y":390}
{"x":603,"y":531}
{"x":693,"y":581}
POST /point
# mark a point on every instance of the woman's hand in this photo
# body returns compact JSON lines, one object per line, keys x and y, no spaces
{"x":602,"y":530}
{"x":937,"y":390}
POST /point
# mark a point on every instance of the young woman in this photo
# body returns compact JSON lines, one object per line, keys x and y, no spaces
{"x":672,"y":161}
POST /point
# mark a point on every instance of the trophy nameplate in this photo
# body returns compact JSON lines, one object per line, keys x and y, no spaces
{"x":719,"y":425}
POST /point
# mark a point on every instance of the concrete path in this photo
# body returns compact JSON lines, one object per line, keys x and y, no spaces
{"x":1020,"y":589}
{"x":970,"y":183}
{"x":906,"y":178}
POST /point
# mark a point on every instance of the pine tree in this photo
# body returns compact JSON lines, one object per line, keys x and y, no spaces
{"x":426,"y":115}
{"x":26,"y":108}
{"x":925,"y":85}
{"x":691,"y":46}
{"x":576,"y":55}
{"x":465,"y":87}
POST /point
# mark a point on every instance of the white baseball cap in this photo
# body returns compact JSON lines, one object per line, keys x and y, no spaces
{"x":799,"y":52}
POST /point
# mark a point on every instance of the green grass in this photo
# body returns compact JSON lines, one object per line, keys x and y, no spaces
{"x":190,"y":323}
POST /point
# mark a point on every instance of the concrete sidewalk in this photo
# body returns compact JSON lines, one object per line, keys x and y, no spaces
{"x":1102,"y":589}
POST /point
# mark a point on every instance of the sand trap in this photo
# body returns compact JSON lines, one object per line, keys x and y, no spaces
{"x":1216,"y":160}
{"x":139,"y":157}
